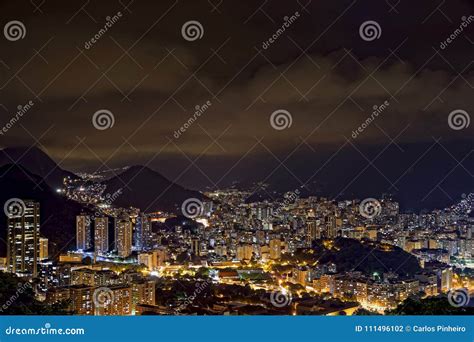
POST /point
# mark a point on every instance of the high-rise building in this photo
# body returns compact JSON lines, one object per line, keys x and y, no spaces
{"x":117,"y":301}
{"x":83,"y":232}
{"x":160,"y":256}
{"x":124,"y":237}
{"x":221,"y":250}
{"x":445,"y":279}
{"x":154,"y":259}
{"x":92,"y":277}
{"x":260,"y":236}
{"x":101,"y":236}
{"x":195,"y":246}
{"x":313,"y":231}
{"x":80,"y":297}
{"x":43,"y":249}
{"x":244,"y":252}
{"x":142,"y":233}
{"x":331,"y":227}
{"x":302,"y":275}
{"x":23,"y":247}
{"x":207,"y":207}
{"x":275,"y":249}
{"x":147,"y":260}
{"x":143,"y":292}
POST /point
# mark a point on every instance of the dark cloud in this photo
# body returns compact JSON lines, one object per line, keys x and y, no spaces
{"x":151,"y":79}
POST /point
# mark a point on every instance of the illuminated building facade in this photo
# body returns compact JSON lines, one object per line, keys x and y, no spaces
{"x":118,"y":303}
{"x":83,"y":232}
{"x":244,"y":252}
{"x":43,"y":249}
{"x":101,"y":236}
{"x":143,"y":293}
{"x":23,"y":241}
{"x":275,"y":249}
{"x":124,"y":237}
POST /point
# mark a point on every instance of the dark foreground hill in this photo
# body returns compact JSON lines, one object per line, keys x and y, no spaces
{"x":57,"y":213}
{"x":367,"y":257}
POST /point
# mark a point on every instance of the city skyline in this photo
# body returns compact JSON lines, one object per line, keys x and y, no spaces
{"x":269,"y":249}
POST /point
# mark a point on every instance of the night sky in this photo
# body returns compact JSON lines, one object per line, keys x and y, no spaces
{"x":320,"y":70}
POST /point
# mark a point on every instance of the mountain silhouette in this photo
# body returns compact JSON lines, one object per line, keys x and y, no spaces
{"x":37,"y":162}
{"x":143,"y":188}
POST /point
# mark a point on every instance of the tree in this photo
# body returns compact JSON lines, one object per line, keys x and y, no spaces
{"x":17,"y":298}
{"x":429,"y":306}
